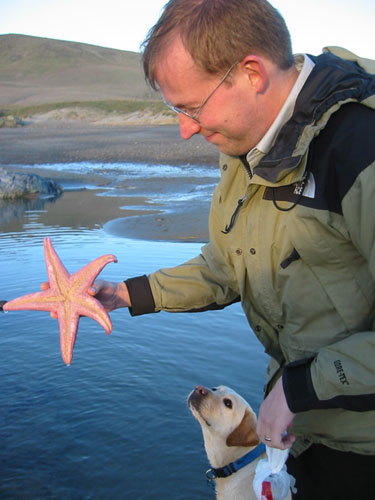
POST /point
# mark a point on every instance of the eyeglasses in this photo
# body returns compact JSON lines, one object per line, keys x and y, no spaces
{"x":193,"y":116}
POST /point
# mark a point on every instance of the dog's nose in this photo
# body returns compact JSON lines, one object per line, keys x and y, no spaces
{"x":201,"y":390}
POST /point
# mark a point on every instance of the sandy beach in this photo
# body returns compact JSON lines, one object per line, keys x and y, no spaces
{"x":55,"y":141}
{"x":50,"y":142}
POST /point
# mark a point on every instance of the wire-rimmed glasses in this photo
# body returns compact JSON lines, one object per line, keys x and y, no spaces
{"x":193,"y":116}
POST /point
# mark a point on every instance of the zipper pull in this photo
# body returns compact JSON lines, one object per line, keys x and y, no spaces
{"x":229,"y":226}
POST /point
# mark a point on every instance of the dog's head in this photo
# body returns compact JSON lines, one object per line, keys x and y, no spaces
{"x":227,"y":422}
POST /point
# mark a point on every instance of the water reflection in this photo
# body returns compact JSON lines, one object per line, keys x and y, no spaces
{"x":17,"y":209}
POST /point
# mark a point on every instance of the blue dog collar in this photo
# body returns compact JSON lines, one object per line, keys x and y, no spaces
{"x":228,"y":470}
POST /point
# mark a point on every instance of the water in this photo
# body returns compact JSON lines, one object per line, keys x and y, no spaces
{"x":115,"y":424}
{"x":180,"y":182}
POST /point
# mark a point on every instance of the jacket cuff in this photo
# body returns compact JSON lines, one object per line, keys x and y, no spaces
{"x":301,"y":396}
{"x":141,"y":296}
{"x":298,"y":387}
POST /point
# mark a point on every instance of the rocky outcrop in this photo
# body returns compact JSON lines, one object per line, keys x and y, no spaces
{"x":10,"y":121}
{"x":20,"y":185}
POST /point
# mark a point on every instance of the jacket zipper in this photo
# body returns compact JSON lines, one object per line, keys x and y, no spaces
{"x":240,"y":202}
{"x":229,"y":226}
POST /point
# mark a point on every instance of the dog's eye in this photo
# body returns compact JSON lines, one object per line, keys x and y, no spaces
{"x":214,"y":389}
{"x":228,"y":403}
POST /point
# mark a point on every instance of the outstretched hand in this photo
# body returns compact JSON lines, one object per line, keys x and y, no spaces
{"x":274,"y":419}
{"x":110,"y":294}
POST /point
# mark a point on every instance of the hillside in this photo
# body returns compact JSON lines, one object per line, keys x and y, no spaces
{"x":37,"y":70}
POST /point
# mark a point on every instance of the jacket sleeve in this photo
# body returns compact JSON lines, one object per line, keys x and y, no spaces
{"x":199,"y":284}
{"x":342,"y":375}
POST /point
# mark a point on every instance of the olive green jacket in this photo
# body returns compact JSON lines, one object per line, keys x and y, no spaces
{"x":294,"y":240}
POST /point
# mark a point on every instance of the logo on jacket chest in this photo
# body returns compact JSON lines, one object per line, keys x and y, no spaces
{"x":301,"y":192}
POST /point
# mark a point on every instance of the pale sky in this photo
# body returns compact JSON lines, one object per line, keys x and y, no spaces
{"x":123,"y":24}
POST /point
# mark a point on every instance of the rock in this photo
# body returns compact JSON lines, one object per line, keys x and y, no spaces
{"x":19,"y":185}
{"x":10,"y":121}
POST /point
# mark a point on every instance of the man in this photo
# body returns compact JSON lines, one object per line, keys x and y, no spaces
{"x":292,"y":224}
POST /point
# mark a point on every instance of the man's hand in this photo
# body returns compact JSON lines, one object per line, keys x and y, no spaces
{"x":111,"y":295}
{"x":274,"y":419}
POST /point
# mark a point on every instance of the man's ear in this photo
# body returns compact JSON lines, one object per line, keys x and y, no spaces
{"x":244,"y":434}
{"x":256,"y":71}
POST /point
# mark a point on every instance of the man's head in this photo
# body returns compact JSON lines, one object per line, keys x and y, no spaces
{"x":229,"y":56}
{"x":218,"y":33}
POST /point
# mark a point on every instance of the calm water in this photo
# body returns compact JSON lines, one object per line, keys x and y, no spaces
{"x":115,"y":424}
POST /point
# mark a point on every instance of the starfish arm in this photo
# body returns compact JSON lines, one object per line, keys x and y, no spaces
{"x":92,"y":308}
{"x":58,"y":275}
{"x":69,"y":314}
{"x":38,"y":301}
{"x":82,"y":280}
{"x":68,"y":321}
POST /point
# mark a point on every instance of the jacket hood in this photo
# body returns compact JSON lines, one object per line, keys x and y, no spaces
{"x":333,"y":82}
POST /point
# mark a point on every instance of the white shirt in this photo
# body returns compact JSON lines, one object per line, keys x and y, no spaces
{"x":304,"y":65}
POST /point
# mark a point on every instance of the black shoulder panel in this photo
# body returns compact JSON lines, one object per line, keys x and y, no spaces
{"x":342,"y":151}
{"x":344,"y":148}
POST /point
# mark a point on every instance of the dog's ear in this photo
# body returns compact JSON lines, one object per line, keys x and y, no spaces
{"x":244,"y":434}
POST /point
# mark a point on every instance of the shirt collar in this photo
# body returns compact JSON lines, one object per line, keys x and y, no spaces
{"x":304,"y":65}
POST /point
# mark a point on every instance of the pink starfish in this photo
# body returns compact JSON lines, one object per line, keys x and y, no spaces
{"x":67,"y":297}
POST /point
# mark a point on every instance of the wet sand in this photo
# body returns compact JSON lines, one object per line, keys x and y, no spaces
{"x":49,"y":143}
{"x":62,"y":141}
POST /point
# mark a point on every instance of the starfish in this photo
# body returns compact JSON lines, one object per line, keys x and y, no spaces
{"x":67,"y":297}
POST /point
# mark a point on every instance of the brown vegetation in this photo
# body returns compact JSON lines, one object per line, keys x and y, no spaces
{"x":61,"y":80}
{"x":37,"y":70}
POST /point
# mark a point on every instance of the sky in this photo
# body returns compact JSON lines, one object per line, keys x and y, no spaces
{"x":123,"y":24}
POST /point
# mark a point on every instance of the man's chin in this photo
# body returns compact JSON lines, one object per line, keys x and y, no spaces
{"x":226,"y":146}
{"x":231,"y":150}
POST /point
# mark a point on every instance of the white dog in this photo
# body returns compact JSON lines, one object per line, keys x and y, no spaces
{"x":232,"y":445}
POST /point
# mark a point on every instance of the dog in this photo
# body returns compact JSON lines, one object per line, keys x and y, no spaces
{"x":228,"y":425}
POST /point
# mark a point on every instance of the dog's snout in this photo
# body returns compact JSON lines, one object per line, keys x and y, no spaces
{"x":197,"y":396}
{"x":201,"y":390}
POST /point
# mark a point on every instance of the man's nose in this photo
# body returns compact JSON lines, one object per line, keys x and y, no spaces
{"x":188,"y":126}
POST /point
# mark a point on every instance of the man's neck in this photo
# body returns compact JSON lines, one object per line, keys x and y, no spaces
{"x":282,"y":84}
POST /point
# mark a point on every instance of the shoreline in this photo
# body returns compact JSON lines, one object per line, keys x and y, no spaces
{"x":85,"y":204}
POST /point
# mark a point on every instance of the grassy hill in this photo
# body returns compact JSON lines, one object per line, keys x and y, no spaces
{"x":35,"y":71}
